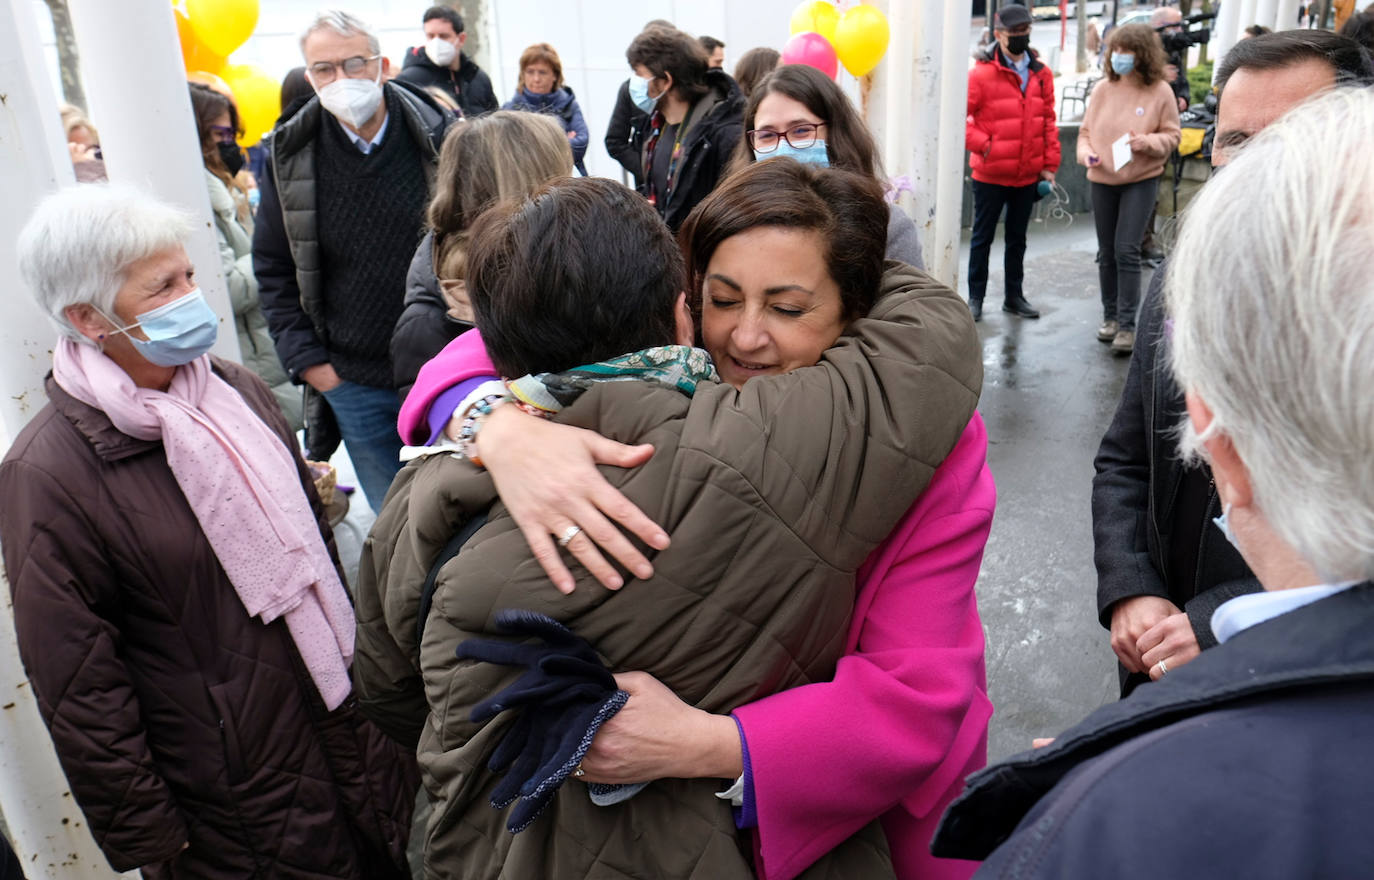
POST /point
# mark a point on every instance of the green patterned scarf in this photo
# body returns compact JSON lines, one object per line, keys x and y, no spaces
{"x":673,"y":366}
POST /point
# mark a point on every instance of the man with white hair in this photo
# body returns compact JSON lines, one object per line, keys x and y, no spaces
{"x":1162,"y":567}
{"x":343,"y":201}
{"x":1254,"y":761}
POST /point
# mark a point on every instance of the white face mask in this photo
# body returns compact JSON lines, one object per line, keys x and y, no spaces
{"x":352,"y":101}
{"x":441,"y":51}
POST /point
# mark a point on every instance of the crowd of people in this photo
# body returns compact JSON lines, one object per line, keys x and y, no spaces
{"x":682,"y":490}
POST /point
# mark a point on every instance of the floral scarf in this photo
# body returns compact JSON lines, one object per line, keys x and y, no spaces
{"x":673,"y":366}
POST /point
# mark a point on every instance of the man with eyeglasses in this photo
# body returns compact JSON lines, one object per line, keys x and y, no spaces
{"x":440,"y":63}
{"x":1014,"y":145}
{"x":342,"y":207}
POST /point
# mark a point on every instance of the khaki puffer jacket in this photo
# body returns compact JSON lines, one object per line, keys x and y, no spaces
{"x":773,"y":496}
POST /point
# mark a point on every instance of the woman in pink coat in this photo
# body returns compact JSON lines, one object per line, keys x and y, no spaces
{"x":905,"y":718}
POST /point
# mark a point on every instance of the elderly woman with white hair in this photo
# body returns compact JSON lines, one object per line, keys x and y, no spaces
{"x":177,"y":596}
{"x":1254,"y":760}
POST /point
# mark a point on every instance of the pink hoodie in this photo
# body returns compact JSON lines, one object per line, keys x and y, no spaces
{"x":906,"y":717}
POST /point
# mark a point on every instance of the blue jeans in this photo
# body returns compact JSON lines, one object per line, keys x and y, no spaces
{"x":988,"y":201}
{"x":367,"y":421}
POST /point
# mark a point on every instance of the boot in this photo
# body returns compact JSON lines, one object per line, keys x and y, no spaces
{"x":1020,"y":308}
{"x":975,"y":306}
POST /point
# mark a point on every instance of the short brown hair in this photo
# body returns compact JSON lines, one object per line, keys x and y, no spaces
{"x":582,"y":271}
{"x":668,"y":51}
{"x":1142,"y":42}
{"x":846,"y":209}
{"x":541,"y":53}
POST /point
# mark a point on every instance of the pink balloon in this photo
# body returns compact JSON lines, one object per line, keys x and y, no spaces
{"x":813,"y":49}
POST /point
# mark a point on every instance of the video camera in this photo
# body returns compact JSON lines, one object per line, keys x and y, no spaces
{"x":1181,"y":41}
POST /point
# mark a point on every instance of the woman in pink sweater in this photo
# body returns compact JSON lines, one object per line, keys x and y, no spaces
{"x":1129,"y":131}
{"x":904,"y":720}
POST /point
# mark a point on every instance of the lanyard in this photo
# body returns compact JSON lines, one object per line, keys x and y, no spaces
{"x":673,"y":160}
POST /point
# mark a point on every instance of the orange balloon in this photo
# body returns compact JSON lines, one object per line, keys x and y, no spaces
{"x":194,"y":54}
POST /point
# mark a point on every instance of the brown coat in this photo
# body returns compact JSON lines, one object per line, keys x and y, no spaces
{"x":773,"y":496}
{"x":176,"y":716}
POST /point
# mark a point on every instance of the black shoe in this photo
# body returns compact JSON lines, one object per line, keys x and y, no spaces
{"x":1020,"y":308}
{"x":976,"y":307}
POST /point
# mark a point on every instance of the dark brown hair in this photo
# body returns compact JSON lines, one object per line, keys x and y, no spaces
{"x":848,"y":142}
{"x":665,"y":50}
{"x":753,"y":66}
{"x":582,"y":271}
{"x":1142,"y":42}
{"x":540,"y":52}
{"x":207,"y":105}
{"x":846,"y":209}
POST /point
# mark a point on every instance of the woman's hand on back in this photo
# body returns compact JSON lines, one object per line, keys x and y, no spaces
{"x":546,"y":475}
{"x":657,"y":736}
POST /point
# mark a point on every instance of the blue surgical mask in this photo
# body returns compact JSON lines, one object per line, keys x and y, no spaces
{"x":1223,"y":523}
{"x":1122,"y":63}
{"x":812,"y":155}
{"x":639,"y":93}
{"x":178,"y":332}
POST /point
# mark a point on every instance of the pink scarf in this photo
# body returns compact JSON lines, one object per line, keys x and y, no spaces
{"x":244,"y":487}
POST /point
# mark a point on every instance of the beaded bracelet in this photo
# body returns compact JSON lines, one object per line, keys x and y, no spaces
{"x":472,"y":423}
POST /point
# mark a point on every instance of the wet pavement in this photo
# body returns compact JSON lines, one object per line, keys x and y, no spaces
{"x":1049,"y":391}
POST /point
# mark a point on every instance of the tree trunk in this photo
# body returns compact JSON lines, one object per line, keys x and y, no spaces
{"x":1202,"y":50}
{"x":472,"y":12}
{"x":1080,"y":15}
{"x":67,"y":59}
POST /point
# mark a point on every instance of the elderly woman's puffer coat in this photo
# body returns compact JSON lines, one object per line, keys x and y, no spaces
{"x":177,"y":717}
{"x":773,"y":496}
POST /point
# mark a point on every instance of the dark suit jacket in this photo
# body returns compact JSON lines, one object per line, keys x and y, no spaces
{"x":1135,"y":494}
{"x":1252,"y":761}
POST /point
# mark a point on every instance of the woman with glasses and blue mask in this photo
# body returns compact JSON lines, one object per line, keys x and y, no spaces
{"x":694,"y":120}
{"x":218,"y":128}
{"x":1130,"y":128}
{"x":799,"y":112}
{"x":177,"y":597}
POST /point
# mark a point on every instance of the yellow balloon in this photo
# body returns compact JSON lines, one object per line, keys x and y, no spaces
{"x":258,"y":97}
{"x":221,"y":26}
{"x":861,"y":39}
{"x":193,"y":54}
{"x":817,"y":16}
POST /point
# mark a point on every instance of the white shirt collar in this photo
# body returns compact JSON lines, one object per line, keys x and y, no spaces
{"x":363,"y":146}
{"x":1243,"y":612}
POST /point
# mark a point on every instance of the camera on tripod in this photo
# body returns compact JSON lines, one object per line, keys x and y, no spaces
{"x":1191,"y":35}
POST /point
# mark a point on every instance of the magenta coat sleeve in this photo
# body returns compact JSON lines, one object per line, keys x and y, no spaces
{"x":463,"y":358}
{"x":905,"y":719}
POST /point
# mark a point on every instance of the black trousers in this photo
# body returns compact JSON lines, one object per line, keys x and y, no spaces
{"x":1120,"y":214}
{"x":988,"y":201}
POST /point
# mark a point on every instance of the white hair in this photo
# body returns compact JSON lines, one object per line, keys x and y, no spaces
{"x":343,"y":24}
{"x":81,"y":241}
{"x":1271,"y":297}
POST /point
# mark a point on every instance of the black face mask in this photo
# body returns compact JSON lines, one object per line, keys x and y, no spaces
{"x":1017,"y":44}
{"x":232,"y":157}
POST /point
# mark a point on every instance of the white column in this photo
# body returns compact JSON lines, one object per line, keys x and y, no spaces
{"x":136,"y":86}
{"x":1248,"y":8}
{"x":1225,"y":31}
{"x":943,"y":254}
{"x":903,"y":108}
{"x":46,"y":827}
{"x":1266,"y":13}
{"x":1287,"y":15}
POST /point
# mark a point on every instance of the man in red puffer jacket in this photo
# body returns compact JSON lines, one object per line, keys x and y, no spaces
{"x":1014,"y":145}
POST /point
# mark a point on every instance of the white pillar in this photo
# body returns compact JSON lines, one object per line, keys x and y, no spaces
{"x":1266,"y":13}
{"x":1248,"y":8}
{"x":136,"y":86}
{"x":1225,"y":31}
{"x":1287,"y":14}
{"x":47,"y":828}
{"x":903,"y":109}
{"x":943,"y":254}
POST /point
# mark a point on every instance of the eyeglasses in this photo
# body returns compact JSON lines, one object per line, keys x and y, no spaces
{"x":765,"y":140}
{"x":222,"y":134}
{"x":324,"y":72}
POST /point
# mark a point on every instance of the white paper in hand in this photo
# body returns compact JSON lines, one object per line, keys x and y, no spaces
{"x":1121,"y":152}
